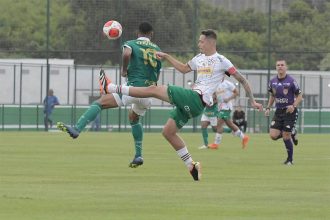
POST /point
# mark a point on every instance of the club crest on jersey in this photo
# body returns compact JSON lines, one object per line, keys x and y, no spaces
{"x":285,"y":91}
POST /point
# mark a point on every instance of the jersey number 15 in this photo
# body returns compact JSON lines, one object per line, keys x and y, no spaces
{"x":149,"y":56}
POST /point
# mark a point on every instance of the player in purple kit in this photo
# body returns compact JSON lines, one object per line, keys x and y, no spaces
{"x":286,"y":94}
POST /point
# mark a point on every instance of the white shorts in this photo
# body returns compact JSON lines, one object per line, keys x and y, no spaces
{"x":138,"y":105}
{"x":213,"y":120}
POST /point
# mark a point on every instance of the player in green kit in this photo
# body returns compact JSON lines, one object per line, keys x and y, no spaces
{"x":142,"y":69}
{"x":209,"y":117}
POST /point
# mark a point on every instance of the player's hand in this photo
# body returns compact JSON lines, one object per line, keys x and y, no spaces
{"x":160,"y":55}
{"x":267,"y":112}
{"x":257,"y":105}
{"x":290,"y":109}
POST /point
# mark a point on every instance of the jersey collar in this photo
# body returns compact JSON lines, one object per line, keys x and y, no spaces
{"x":281,"y":79}
{"x":143,"y":38}
{"x":211,"y":54}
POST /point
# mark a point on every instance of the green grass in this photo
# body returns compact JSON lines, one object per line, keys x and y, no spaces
{"x":50,"y":176}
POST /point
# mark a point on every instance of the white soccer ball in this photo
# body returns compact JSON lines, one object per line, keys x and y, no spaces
{"x":112,"y":29}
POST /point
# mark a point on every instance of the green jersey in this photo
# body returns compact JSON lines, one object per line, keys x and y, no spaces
{"x":211,"y":111}
{"x":143,"y":68}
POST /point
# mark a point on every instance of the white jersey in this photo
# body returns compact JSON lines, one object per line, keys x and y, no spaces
{"x":225,"y":90}
{"x":210,"y":72}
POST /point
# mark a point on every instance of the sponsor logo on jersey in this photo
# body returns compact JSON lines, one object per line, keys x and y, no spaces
{"x":204,"y":71}
{"x":282,"y":100}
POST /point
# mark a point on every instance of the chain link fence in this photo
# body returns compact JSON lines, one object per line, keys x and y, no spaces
{"x":59,"y":44}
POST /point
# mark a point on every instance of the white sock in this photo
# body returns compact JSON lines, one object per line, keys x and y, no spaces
{"x":239,"y":133}
{"x":121,"y":89}
{"x":218,"y":138}
{"x":185,"y":156}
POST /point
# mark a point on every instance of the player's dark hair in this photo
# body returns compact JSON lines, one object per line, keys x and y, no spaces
{"x":145,"y":28}
{"x":209,"y":33}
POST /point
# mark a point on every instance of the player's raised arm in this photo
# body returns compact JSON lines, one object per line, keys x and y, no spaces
{"x":183,"y":68}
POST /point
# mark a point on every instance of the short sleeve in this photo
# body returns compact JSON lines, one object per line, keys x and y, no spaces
{"x":127,"y":44}
{"x":269,"y":88}
{"x":228,"y":66}
{"x":192,"y":63}
{"x":296,"y":88}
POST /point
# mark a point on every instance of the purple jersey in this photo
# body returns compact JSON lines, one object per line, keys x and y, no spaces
{"x":283,"y":90}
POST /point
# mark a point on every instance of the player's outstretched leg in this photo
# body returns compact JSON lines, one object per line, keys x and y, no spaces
{"x":137,"y":161}
{"x":70,"y":130}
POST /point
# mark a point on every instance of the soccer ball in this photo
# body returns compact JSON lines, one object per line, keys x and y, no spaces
{"x":112,"y":29}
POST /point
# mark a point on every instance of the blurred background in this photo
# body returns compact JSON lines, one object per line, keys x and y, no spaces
{"x":59,"y":44}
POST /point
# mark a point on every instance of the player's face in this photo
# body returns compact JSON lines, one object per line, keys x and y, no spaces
{"x":205,"y":44}
{"x":281,"y":67}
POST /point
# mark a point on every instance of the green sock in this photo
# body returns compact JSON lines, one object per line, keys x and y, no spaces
{"x":205,"y":136}
{"x":226,"y":130}
{"x":137,"y":132}
{"x":88,"y":116}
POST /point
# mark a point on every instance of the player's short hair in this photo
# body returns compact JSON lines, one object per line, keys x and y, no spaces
{"x":280,"y":59}
{"x":209,"y":33}
{"x":145,"y":28}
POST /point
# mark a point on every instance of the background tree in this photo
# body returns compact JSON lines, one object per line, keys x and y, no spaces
{"x":300,"y":34}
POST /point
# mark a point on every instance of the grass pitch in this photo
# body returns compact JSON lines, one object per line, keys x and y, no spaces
{"x":50,"y":176}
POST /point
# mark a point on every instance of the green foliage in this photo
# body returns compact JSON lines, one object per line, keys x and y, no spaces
{"x":183,"y":57}
{"x":23,"y":30}
{"x":245,"y":47}
{"x":300,"y":33}
{"x":300,"y":11}
{"x":325,"y":63}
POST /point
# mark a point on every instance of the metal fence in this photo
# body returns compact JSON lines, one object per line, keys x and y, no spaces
{"x":60,"y":45}
{"x":24,"y":83}
{"x":77,"y":86}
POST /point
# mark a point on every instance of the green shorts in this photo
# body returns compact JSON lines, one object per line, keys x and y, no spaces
{"x":188,"y":104}
{"x":224,"y":114}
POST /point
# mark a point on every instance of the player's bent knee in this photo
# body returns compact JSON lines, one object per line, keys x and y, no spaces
{"x":133,"y":117}
{"x":167,"y":133}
